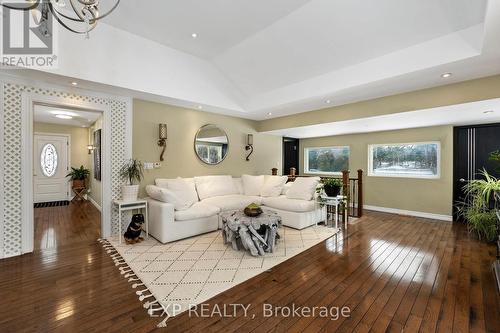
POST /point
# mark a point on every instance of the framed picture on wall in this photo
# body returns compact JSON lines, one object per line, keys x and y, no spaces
{"x":97,"y":154}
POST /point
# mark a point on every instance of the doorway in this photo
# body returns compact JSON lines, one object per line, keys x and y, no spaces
{"x":471,"y":149}
{"x":290,"y":155}
{"x":66,"y":186}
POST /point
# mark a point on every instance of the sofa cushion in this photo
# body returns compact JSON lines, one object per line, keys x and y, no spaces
{"x":303,"y":188}
{"x":273,"y":185}
{"x":252,"y":185}
{"x":197,"y":211}
{"x":213,"y":186}
{"x":230,"y":202}
{"x":163,"y":182}
{"x":181,"y":194}
{"x":292,"y":205}
{"x":286,"y":187}
{"x":239,"y":185}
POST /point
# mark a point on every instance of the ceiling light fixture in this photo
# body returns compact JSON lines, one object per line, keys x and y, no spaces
{"x":194,"y":35}
{"x":200,"y":107}
{"x":82,"y":20}
{"x":63,"y":113}
{"x":328,"y":101}
{"x":74,"y":83}
{"x":446,"y":75}
{"x":269,"y":113}
{"x":63,"y":116}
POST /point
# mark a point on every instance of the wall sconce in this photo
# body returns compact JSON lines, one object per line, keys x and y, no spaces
{"x":162,"y":138}
{"x":90,"y":148}
{"x":249,"y":145}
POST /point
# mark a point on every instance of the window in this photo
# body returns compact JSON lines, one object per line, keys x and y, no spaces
{"x":411,"y":160}
{"x":326,"y":160}
{"x":48,"y":160}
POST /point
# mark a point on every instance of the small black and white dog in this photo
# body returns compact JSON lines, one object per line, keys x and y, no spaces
{"x":133,"y":233}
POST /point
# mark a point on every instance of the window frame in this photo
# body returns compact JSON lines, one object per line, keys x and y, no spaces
{"x":306,"y":161}
{"x":412,"y":176}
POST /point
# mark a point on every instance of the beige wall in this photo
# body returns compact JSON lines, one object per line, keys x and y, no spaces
{"x":422,"y":195}
{"x":468,"y":91}
{"x":79,"y":141}
{"x":95,"y":185}
{"x":180,"y":158}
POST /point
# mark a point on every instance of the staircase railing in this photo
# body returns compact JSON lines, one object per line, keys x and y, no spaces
{"x":353,"y":187}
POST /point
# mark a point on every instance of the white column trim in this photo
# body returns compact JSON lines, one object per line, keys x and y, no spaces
{"x":2,"y":190}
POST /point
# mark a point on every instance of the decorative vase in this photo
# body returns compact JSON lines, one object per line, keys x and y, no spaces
{"x":332,"y":191}
{"x":130,"y":192}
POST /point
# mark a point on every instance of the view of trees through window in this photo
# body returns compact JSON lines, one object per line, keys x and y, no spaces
{"x":419,"y":160}
{"x":327,"y":160}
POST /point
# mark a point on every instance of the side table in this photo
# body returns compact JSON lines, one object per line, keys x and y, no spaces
{"x":131,"y":205}
{"x":335,"y":202}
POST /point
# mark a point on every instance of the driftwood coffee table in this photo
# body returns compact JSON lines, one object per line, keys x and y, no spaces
{"x":255,"y":234}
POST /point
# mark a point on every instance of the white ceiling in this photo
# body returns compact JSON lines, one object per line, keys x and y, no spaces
{"x":269,"y":58}
{"x":460,"y":114}
{"x":47,"y":114}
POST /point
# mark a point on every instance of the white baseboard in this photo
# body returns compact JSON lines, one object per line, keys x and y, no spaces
{"x":89,"y":198}
{"x":410,"y":213}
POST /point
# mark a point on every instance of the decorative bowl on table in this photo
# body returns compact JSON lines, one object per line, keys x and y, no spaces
{"x":252,"y":210}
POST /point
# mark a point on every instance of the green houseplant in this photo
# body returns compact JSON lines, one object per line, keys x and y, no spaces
{"x":479,"y":206}
{"x":332,"y":186}
{"x":78,"y":176}
{"x":131,"y":172}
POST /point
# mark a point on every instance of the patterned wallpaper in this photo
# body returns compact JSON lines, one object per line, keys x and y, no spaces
{"x":12,"y":210}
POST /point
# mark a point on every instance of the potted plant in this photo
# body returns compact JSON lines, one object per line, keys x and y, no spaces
{"x":332,"y":186}
{"x":131,"y":172}
{"x":78,"y":176}
{"x":479,"y":207}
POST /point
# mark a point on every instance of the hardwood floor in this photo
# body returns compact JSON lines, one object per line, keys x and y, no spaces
{"x":394,"y":273}
{"x":65,"y":225}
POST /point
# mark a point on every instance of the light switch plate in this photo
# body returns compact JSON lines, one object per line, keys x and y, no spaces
{"x":148,"y":165}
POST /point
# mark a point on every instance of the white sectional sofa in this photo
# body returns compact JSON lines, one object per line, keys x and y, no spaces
{"x":185,"y":207}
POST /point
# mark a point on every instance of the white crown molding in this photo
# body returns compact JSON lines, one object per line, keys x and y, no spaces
{"x":432,"y":216}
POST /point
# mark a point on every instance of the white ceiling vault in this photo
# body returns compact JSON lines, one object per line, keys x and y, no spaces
{"x":259,"y":59}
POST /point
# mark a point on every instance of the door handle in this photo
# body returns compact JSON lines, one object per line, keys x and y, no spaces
{"x":461,"y":180}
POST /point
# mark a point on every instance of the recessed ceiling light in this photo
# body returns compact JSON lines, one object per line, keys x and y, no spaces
{"x":328,"y":101}
{"x":200,"y":107}
{"x":194,"y":35}
{"x":64,"y":113}
{"x":74,"y":83}
{"x":446,"y":75}
{"x":269,"y":113}
{"x":488,"y":111}
{"x":63,"y":116}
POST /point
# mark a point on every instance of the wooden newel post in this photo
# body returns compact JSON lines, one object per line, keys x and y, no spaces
{"x":274,"y":171}
{"x":360,"y":193}
{"x":293,"y":172}
{"x":345,"y":182}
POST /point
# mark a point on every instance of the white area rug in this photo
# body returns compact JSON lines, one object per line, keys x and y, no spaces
{"x":193,"y":270}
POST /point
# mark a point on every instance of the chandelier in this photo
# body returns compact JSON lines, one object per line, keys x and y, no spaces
{"x":80,"y":17}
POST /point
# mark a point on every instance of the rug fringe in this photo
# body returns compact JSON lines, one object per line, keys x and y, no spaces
{"x":130,"y":275}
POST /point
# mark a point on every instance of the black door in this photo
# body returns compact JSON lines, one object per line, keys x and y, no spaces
{"x":472,"y":147}
{"x":290,"y":155}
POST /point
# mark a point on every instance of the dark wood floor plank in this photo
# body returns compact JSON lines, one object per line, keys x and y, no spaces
{"x":396,"y":273}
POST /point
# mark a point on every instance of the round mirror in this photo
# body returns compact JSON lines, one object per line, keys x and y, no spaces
{"x":211,"y":144}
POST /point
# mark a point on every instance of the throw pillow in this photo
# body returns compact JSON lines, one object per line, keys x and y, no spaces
{"x":303,"y":188}
{"x":252,"y":185}
{"x":213,"y":186}
{"x":180,"y":193}
{"x":273,"y":185}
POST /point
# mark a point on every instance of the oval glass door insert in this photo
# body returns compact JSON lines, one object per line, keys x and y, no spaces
{"x":48,"y":160}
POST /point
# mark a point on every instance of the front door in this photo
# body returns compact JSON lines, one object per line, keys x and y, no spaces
{"x":472,"y":147}
{"x":50,"y":167}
